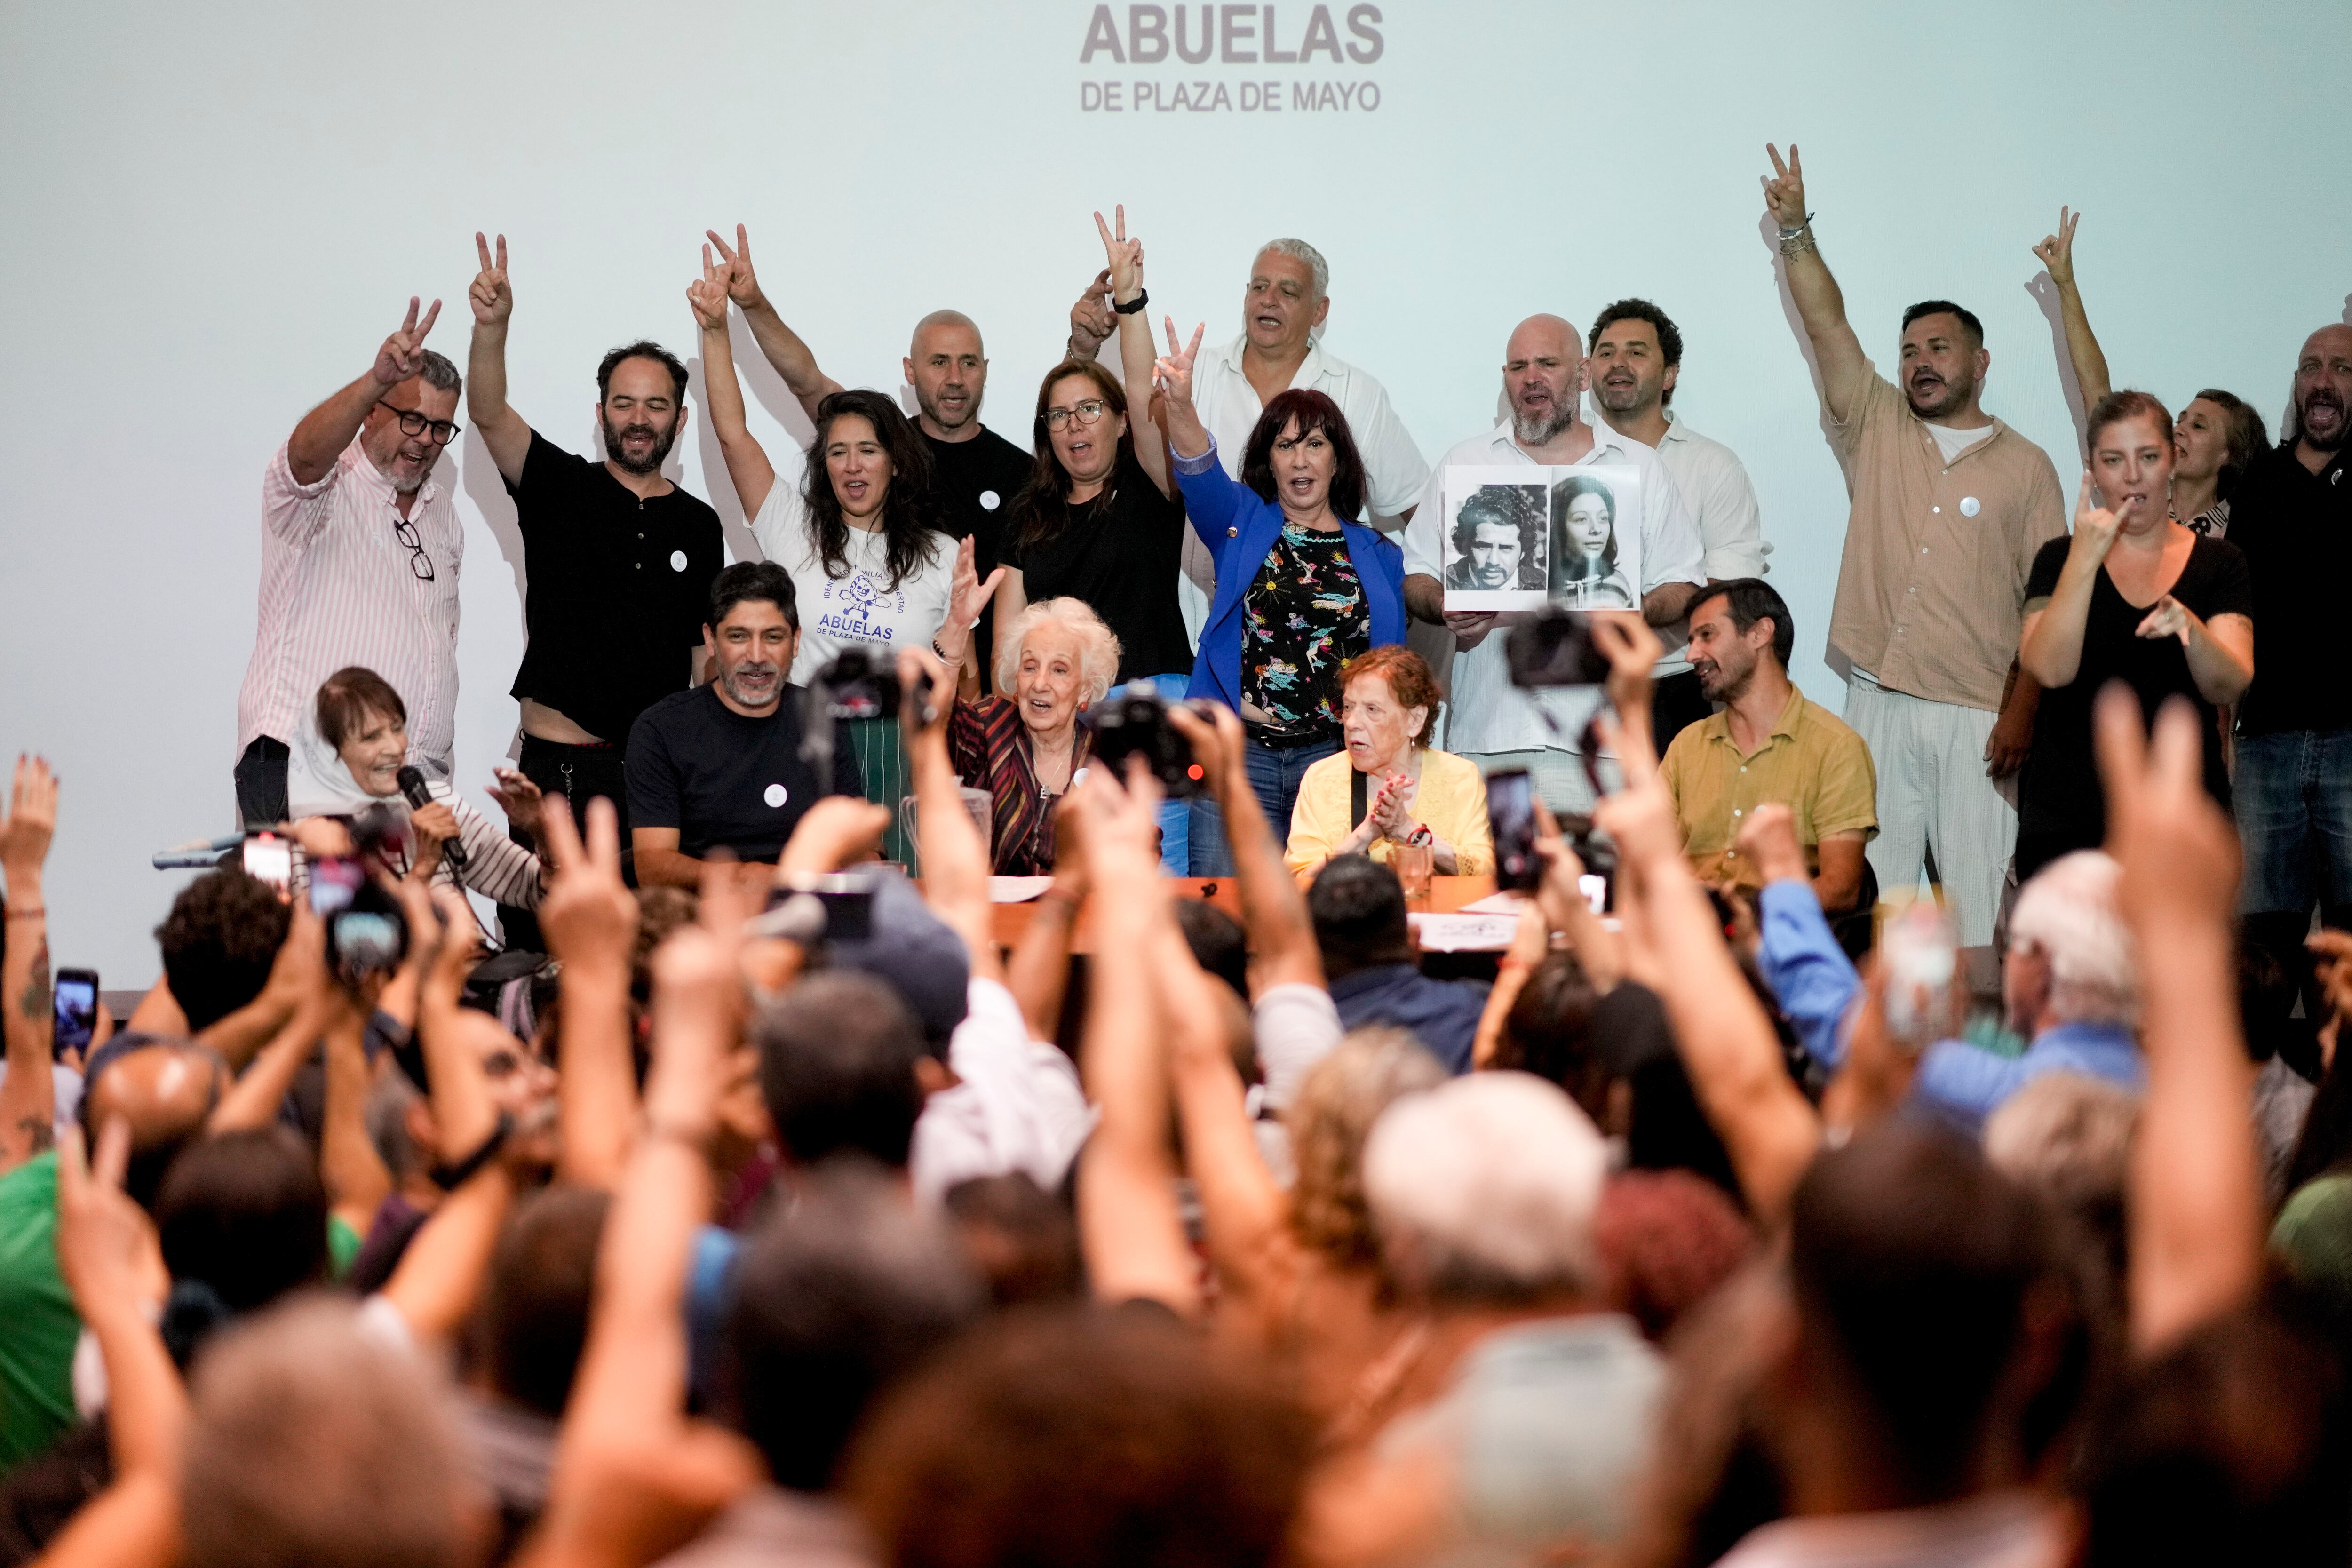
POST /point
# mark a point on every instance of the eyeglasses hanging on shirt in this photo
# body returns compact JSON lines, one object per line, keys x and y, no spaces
{"x":418,"y":562}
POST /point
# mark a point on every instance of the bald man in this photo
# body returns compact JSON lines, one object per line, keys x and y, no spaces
{"x":976,"y":472}
{"x":1487,"y":720}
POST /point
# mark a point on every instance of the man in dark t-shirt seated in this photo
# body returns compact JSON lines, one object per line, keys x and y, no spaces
{"x":718,"y":766}
{"x":1374,"y":965}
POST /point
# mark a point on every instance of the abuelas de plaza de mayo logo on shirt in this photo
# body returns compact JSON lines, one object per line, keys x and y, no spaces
{"x":858,"y":606}
{"x":1319,"y":45}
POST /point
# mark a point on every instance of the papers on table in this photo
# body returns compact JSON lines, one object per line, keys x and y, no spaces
{"x":1016,"y":890}
{"x":1463,"y":933}
{"x":1497,"y":904}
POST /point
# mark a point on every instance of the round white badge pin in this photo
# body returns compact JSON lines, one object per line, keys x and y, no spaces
{"x":1970,"y":506}
{"x":776,"y":795}
{"x":990,"y":500}
{"x":678,"y":560}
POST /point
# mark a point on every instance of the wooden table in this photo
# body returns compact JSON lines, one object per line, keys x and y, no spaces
{"x":1446,"y":895}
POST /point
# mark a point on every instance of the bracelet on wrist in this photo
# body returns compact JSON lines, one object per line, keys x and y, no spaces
{"x":35,"y":912}
{"x":1142,"y":298}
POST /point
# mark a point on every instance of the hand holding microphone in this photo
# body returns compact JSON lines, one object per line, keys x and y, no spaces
{"x":420,"y":798}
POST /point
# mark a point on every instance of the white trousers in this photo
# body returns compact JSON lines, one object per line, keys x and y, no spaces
{"x":1935,"y":799}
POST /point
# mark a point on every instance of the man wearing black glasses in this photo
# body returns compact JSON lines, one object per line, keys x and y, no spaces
{"x":360,"y":551}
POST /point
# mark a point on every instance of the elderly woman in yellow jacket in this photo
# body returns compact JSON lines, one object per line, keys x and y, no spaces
{"x":1387,"y":787}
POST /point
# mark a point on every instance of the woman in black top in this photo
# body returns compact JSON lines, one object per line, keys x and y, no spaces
{"x":1100,"y":519}
{"x":2135,"y":595}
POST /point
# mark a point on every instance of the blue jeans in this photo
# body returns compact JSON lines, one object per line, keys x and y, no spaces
{"x":1273,"y":778}
{"x":2293,"y":796}
{"x":1175,"y":816}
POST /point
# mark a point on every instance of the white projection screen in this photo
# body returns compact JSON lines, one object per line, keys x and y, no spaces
{"x":211,"y":214}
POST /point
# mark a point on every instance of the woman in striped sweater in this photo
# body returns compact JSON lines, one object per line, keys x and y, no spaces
{"x":349,"y":749}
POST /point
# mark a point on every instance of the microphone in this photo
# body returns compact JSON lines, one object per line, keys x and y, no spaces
{"x":411,"y":786}
{"x":198,"y":855}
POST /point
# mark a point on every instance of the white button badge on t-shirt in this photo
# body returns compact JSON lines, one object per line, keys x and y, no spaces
{"x":988,"y":500}
{"x":776,"y":795}
{"x":678,"y":560}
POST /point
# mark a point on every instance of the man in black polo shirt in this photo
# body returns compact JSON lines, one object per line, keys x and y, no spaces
{"x":720,"y":766}
{"x":2291,"y":514}
{"x":976,"y":472}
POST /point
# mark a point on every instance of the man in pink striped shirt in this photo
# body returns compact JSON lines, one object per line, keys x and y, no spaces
{"x":360,"y":553}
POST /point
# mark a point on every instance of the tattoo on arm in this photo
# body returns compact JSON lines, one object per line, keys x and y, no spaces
{"x":38,"y":1135}
{"x":35,"y":1002}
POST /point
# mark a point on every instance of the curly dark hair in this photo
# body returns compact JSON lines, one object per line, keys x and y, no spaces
{"x":909,"y":512}
{"x":1314,"y":412}
{"x":218,"y":942}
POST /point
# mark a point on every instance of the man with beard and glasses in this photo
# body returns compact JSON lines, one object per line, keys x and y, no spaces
{"x":1950,"y":506}
{"x":617,"y":559}
{"x":1767,"y":743}
{"x":1637,"y":358}
{"x":976,"y":472}
{"x":1491,"y":721}
{"x":360,"y":549}
{"x":720,"y":766}
{"x":2291,"y":515}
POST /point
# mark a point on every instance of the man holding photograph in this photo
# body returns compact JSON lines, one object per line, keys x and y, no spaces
{"x":1489,"y":720}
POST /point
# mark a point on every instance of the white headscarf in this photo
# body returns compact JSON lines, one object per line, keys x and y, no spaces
{"x":317,"y":781}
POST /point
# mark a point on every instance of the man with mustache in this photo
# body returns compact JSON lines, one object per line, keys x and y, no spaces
{"x":720,"y":766}
{"x":360,"y":550}
{"x":1949,"y":508}
{"x":1491,"y":721}
{"x":618,"y":560}
{"x":2291,"y":516}
{"x":1637,"y":359}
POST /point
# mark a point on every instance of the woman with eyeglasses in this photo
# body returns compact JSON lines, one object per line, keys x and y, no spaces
{"x":1100,"y":521}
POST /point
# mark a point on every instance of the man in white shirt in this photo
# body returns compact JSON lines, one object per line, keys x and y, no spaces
{"x":1637,"y":356}
{"x":1283,"y":310}
{"x":1489,"y":720}
{"x":360,"y":551}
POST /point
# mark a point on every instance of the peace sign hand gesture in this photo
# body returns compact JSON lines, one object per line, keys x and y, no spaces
{"x":1125,"y":255}
{"x":742,"y":284}
{"x":2057,"y":251}
{"x":403,"y":353}
{"x":492,"y":300}
{"x":1784,"y":194}
{"x":707,"y":296}
{"x":1172,"y":372}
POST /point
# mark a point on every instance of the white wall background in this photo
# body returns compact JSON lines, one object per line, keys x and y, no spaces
{"x":210,"y":214}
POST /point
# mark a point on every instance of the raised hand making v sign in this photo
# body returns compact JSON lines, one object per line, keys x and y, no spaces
{"x":361,"y":549}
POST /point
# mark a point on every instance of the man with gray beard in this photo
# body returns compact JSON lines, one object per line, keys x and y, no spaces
{"x":359,"y":548}
{"x":618,"y":560}
{"x":1487,"y":720}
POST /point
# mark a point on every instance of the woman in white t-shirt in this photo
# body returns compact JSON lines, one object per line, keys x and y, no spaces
{"x":869,"y":567}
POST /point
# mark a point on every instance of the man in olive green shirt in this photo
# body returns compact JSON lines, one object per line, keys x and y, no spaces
{"x":1767,"y":743}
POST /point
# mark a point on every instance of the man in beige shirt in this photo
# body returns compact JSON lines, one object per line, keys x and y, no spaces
{"x":1949,"y":507}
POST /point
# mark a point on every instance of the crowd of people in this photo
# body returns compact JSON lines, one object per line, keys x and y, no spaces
{"x":736,"y":1197}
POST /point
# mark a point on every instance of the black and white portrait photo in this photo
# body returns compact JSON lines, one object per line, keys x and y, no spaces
{"x":1497,"y":540}
{"x":1595,"y":538}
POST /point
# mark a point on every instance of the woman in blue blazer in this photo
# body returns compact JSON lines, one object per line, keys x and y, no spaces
{"x":1302,"y":587}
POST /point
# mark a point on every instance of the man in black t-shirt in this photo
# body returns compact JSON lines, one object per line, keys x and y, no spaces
{"x":977,"y":472}
{"x":719,"y":767}
{"x":618,"y":560}
{"x":2291,"y":515}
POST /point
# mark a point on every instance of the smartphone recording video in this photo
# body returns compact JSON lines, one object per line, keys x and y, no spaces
{"x":75,"y":1012}
{"x":1511,"y":814}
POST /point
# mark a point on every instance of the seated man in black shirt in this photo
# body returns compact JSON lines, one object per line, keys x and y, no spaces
{"x":719,"y":767}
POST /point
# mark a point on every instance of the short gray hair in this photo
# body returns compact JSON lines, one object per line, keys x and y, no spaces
{"x":2068,"y":911}
{"x":1299,"y":250}
{"x":440,"y":374}
{"x":1099,"y":649}
{"x":1484,"y":1189}
{"x":2066,"y":1136}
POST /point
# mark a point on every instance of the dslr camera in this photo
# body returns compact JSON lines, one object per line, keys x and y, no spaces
{"x":1134,"y":720}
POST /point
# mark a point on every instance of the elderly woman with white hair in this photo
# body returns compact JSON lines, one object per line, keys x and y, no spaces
{"x":1053,"y":659}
